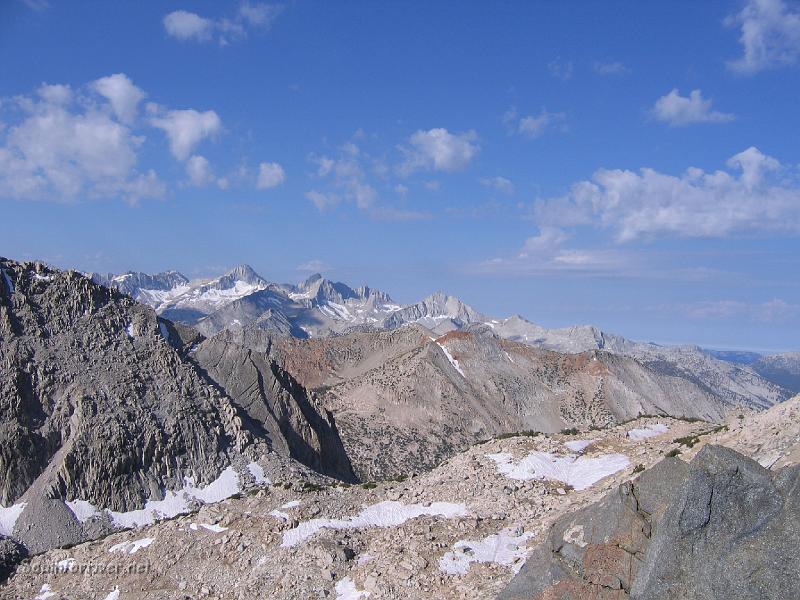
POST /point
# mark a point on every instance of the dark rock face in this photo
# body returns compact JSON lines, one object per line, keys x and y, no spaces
{"x":273,"y":400}
{"x":11,"y":554}
{"x":721,"y":527}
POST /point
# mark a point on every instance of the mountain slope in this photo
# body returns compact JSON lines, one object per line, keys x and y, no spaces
{"x":319,"y":307}
{"x":781,"y":369}
{"x":100,"y":407}
{"x":404,"y":401}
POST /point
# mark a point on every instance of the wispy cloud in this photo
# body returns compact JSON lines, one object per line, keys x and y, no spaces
{"x":560,"y":69}
{"x":611,"y":68}
{"x":770,"y":36}
{"x":500,"y":184}
{"x":313,"y":266}
{"x":188,"y":26}
{"x":771,"y":311}
{"x":533,"y":126}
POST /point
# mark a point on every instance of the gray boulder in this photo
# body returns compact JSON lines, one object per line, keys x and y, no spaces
{"x":720,"y":527}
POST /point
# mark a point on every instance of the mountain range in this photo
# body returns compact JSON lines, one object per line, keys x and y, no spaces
{"x":318,"y":307}
{"x":130,"y":399}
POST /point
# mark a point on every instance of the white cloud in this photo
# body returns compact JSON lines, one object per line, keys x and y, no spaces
{"x":184,"y":25}
{"x":62,"y":149}
{"x":439,"y":150}
{"x":120,"y":92}
{"x":186,"y":128}
{"x":770,"y":36}
{"x":347,"y":177}
{"x":270,"y":175}
{"x":696,"y":204}
{"x":260,"y":14}
{"x":611,"y":68}
{"x":322,"y":201}
{"x":682,"y":110}
{"x":501,"y":184}
{"x":313,"y":266}
{"x":533,"y":126}
{"x":198,"y":170}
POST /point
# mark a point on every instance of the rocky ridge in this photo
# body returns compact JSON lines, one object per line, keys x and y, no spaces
{"x":319,"y":307}
{"x":464,"y":529}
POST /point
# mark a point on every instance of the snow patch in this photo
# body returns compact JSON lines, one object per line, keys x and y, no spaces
{"x":279,"y":514}
{"x":66,"y":565}
{"x":208,"y":526}
{"x":174,"y":503}
{"x":39,"y":277}
{"x":9,"y":516}
{"x":578,"y":445}
{"x":163,"y":329}
{"x":346,"y":590}
{"x":291,"y":504}
{"x":45,"y":593}
{"x":82,"y":509}
{"x":647,"y":432}
{"x":113,"y":595}
{"x":257,"y":471}
{"x":129,"y":331}
{"x":452,"y":360}
{"x":578,"y":471}
{"x":131,"y":547}
{"x":508,"y":356}
{"x":503,"y":548}
{"x":389,"y":513}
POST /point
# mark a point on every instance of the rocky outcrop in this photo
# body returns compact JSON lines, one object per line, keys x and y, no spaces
{"x":719,"y":527}
{"x":285,"y":412}
{"x":106,"y":409}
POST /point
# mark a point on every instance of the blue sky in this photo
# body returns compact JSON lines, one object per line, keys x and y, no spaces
{"x":631,"y":165}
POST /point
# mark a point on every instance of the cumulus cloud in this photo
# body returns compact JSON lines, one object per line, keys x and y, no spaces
{"x":533,"y":126}
{"x":188,"y":26}
{"x":683,"y":110}
{"x":185,"y":25}
{"x":63,"y":148}
{"x":501,"y":184}
{"x":186,"y":128}
{"x":695,"y":204}
{"x":122,"y":95}
{"x":770,"y":36}
{"x":270,"y":175}
{"x":198,"y":169}
{"x":439,"y":150}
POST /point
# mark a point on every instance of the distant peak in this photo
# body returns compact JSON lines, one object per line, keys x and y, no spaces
{"x":244,"y":272}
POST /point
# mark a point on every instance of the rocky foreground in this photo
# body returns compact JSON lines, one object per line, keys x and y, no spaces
{"x":611,"y":513}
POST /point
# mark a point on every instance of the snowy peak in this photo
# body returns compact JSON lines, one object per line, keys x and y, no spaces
{"x":242,"y":273}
